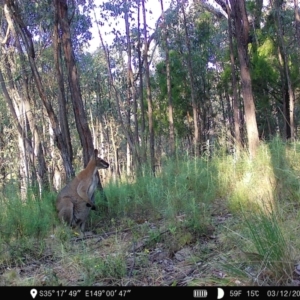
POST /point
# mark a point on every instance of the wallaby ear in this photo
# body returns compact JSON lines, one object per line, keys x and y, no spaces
{"x":94,"y":155}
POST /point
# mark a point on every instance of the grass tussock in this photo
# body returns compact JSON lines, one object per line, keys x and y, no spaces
{"x":24,"y":225}
{"x":226,"y":220}
{"x":183,"y":188}
{"x":266,"y":256}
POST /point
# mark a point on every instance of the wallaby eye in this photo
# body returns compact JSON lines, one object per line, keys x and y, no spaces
{"x":88,"y":205}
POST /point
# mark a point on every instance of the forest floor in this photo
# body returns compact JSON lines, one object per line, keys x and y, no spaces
{"x":153,"y":255}
{"x":143,"y":254}
{"x":199,"y":223}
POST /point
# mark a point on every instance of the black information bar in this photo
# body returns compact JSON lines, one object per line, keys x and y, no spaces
{"x":133,"y":292}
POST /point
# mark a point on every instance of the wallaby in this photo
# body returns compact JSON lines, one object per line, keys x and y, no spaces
{"x":74,"y":201}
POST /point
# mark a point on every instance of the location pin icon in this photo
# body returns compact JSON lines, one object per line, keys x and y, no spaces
{"x":33,"y":293}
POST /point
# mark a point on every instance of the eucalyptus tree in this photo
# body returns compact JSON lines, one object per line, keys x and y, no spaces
{"x":174,"y":109}
{"x":271,"y":61}
{"x":61,"y":11}
{"x":83,"y":128}
{"x":131,"y":89}
{"x":274,"y":68}
{"x":237,"y":13}
{"x":58,"y":62}
{"x":241,"y":25}
{"x":141,"y":82}
{"x":101,"y":108}
{"x":283,"y":58}
{"x":113,"y":110}
{"x":169,"y":83}
{"x":18,"y":36}
{"x":192,"y":43}
{"x":179,"y":94}
{"x":133,"y":45}
{"x":32,"y":44}
{"x":235,"y":104}
{"x":297,"y":21}
{"x":112,"y":11}
{"x":191,"y":81}
{"x":148,"y":89}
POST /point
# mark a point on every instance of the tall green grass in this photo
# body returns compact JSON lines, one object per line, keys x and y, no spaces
{"x":261,"y":194}
{"x":24,"y":223}
{"x":265,"y":255}
{"x":30,"y":217}
{"x":183,"y":188}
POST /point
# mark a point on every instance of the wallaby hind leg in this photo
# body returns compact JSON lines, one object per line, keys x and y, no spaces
{"x":82,"y":226}
{"x":81,"y":213}
{"x":66,"y":213}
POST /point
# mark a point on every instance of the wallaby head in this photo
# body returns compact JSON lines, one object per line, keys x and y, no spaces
{"x":99,"y":162}
{"x":94,"y":164}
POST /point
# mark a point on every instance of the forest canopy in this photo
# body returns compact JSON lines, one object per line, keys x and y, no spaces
{"x":206,"y":75}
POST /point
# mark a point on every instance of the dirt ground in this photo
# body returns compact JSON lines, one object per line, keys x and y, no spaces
{"x":166,"y":259}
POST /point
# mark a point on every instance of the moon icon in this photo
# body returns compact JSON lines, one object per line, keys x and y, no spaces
{"x":220,"y":293}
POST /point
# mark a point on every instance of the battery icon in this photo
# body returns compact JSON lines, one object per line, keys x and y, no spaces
{"x":200,"y":293}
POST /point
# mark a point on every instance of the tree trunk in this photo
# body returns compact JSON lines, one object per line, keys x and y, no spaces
{"x":21,"y":98}
{"x":258,"y":11}
{"x":113,"y":90}
{"x":63,"y":116}
{"x":116,"y":170}
{"x":297,"y":21}
{"x":288,"y":97}
{"x":149,"y":95}
{"x":23,"y":142}
{"x":28,"y":44}
{"x":131,"y":94}
{"x":169,"y":91}
{"x":191,"y":78}
{"x":141,"y":87}
{"x":130,"y":79}
{"x":78,"y":108}
{"x":241,"y":24}
{"x":79,"y":111}
{"x":237,"y":132}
